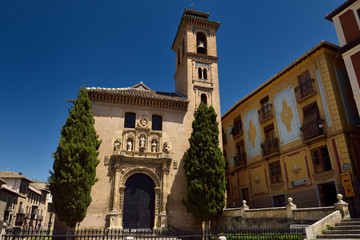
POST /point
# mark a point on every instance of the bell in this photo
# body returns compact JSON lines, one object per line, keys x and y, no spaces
{"x":201,"y":45}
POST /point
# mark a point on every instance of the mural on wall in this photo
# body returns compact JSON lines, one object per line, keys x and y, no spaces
{"x":252,"y":133}
{"x":287,"y":116}
{"x":258,"y":180}
{"x":297,"y":169}
{"x":230,"y":146}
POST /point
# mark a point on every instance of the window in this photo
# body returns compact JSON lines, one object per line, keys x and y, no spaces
{"x":178,"y":57}
{"x":204,"y":98}
{"x":240,"y":154}
{"x":183,"y":47}
{"x":269,"y":133}
{"x":157,"y":122}
{"x":311,"y":113}
{"x":321,"y":159}
{"x":201,"y":43}
{"x":275,"y":172}
{"x":305,"y":84}
{"x":130,"y":120}
{"x":279,"y":200}
{"x":265,"y":110}
{"x":202,"y":73}
{"x":237,"y":127}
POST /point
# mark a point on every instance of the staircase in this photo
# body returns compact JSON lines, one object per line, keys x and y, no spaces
{"x":346,"y":229}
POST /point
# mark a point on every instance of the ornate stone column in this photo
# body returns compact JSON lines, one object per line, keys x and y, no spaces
{"x":114,"y":214}
{"x":163,"y":215}
{"x":157,"y":208}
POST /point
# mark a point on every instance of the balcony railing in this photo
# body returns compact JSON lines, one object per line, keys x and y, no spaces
{"x":313,"y":129}
{"x":305,"y":89}
{"x":240,"y":161}
{"x":265,"y":112}
{"x":270,"y":146}
{"x":9,"y":208}
{"x":236,"y":130}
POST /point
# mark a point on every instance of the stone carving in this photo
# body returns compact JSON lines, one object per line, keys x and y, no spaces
{"x":166,"y":148}
{"x":129,"y":144}
{"x":142,"y":141}
{"x":154,"y":146}
{"x":286,"y":115}
{"x":143,"y":122}
{"x":117,"y":145}
{"x":175,"y":164}
{"x":106,"y":160}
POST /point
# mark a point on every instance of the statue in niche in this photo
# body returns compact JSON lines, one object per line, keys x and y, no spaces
{"x":129,"y":144}
{"x":142,"y":141}
{"x":117,"y":145}
{"x":154,"y":146}
{"x":166,"y":148}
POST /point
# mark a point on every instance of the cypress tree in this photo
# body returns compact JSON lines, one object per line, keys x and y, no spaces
{"x":204,"y":167}
{"x":75,"y":161}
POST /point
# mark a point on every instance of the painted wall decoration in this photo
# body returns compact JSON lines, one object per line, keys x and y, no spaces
{"x":230,"y":147}
{"x":287,"y":116}
{"x":252,"y":133}
{"x":297,"y":170}
{"x":258,"y":180}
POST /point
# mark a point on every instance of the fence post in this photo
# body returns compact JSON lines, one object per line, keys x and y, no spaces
{"x":243,"y":208}
{"x":342,"y":206}
{"x":289,"y":208}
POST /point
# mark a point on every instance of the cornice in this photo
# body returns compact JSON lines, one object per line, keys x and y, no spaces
{"x":138,"y":101}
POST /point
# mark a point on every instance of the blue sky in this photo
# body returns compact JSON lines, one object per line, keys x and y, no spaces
{"x":49,"y":49}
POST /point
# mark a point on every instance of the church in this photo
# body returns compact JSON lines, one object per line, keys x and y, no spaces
{"x":145,"y":135}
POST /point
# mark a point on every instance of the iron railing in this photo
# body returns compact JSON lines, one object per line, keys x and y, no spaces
{"x":305,"y":89}
{"x":107,"y":234}
{"x":236,"y":130}
{"x":312,"y":129}
{"x":270,"y":146}
{"x":240,"y":160}
{"x":265,"y":112}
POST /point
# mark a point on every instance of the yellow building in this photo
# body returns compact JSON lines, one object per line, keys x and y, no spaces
{"x":290,"y":136}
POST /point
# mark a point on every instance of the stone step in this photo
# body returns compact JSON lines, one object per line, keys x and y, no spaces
{"x":339,"y":236}
{"x":348,"y":223}
{"x":343,"y":231}
{"x":351,"y":220}
{"x":345,"y":228}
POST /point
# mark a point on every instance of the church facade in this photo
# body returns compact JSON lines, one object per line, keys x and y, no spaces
{"x":145,"y":135}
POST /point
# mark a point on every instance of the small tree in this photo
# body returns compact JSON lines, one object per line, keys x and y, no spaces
{"x":204,"y":167}
{"x":75,"y":161}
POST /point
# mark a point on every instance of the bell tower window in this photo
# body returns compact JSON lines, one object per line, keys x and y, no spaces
{"x":201,"y":43}
{"x":203,"y":98}
{"x":202,"y":73}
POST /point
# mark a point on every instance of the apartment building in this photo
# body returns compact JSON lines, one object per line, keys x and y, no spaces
{"x":26,"y":202}
{"x":291,"y":136}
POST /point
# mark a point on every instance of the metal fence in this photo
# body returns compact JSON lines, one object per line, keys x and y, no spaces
{"x":101,"y":234}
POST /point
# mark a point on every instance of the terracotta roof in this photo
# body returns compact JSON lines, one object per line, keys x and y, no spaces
{"x":139,"y":94}
{"x":13,"y":175}
{"x":322,"y":44}
{"x":339,"y":9}
{"x":2,"y":181}
{"x":7,"y":188}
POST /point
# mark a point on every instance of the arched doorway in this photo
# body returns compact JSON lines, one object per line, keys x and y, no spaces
{"x":139,"y":201}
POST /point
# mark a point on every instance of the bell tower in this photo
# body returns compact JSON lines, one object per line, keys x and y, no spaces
{"x":196,"y":75}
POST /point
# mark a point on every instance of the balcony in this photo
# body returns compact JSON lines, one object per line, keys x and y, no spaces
{"x":9,"y":208}
{"x":240,"y":161}
{"x":236,"y":130}
{"x":265,"y":113}
{"x":270,"y":148}
{"x":313,"y":130}
{"x":305,"y":90}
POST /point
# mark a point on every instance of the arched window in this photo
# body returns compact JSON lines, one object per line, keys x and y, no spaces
{"x":204,"y":73}
{"x":200,"y":73}
{"x":203,"y":98}
{"x":201,"y":43}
